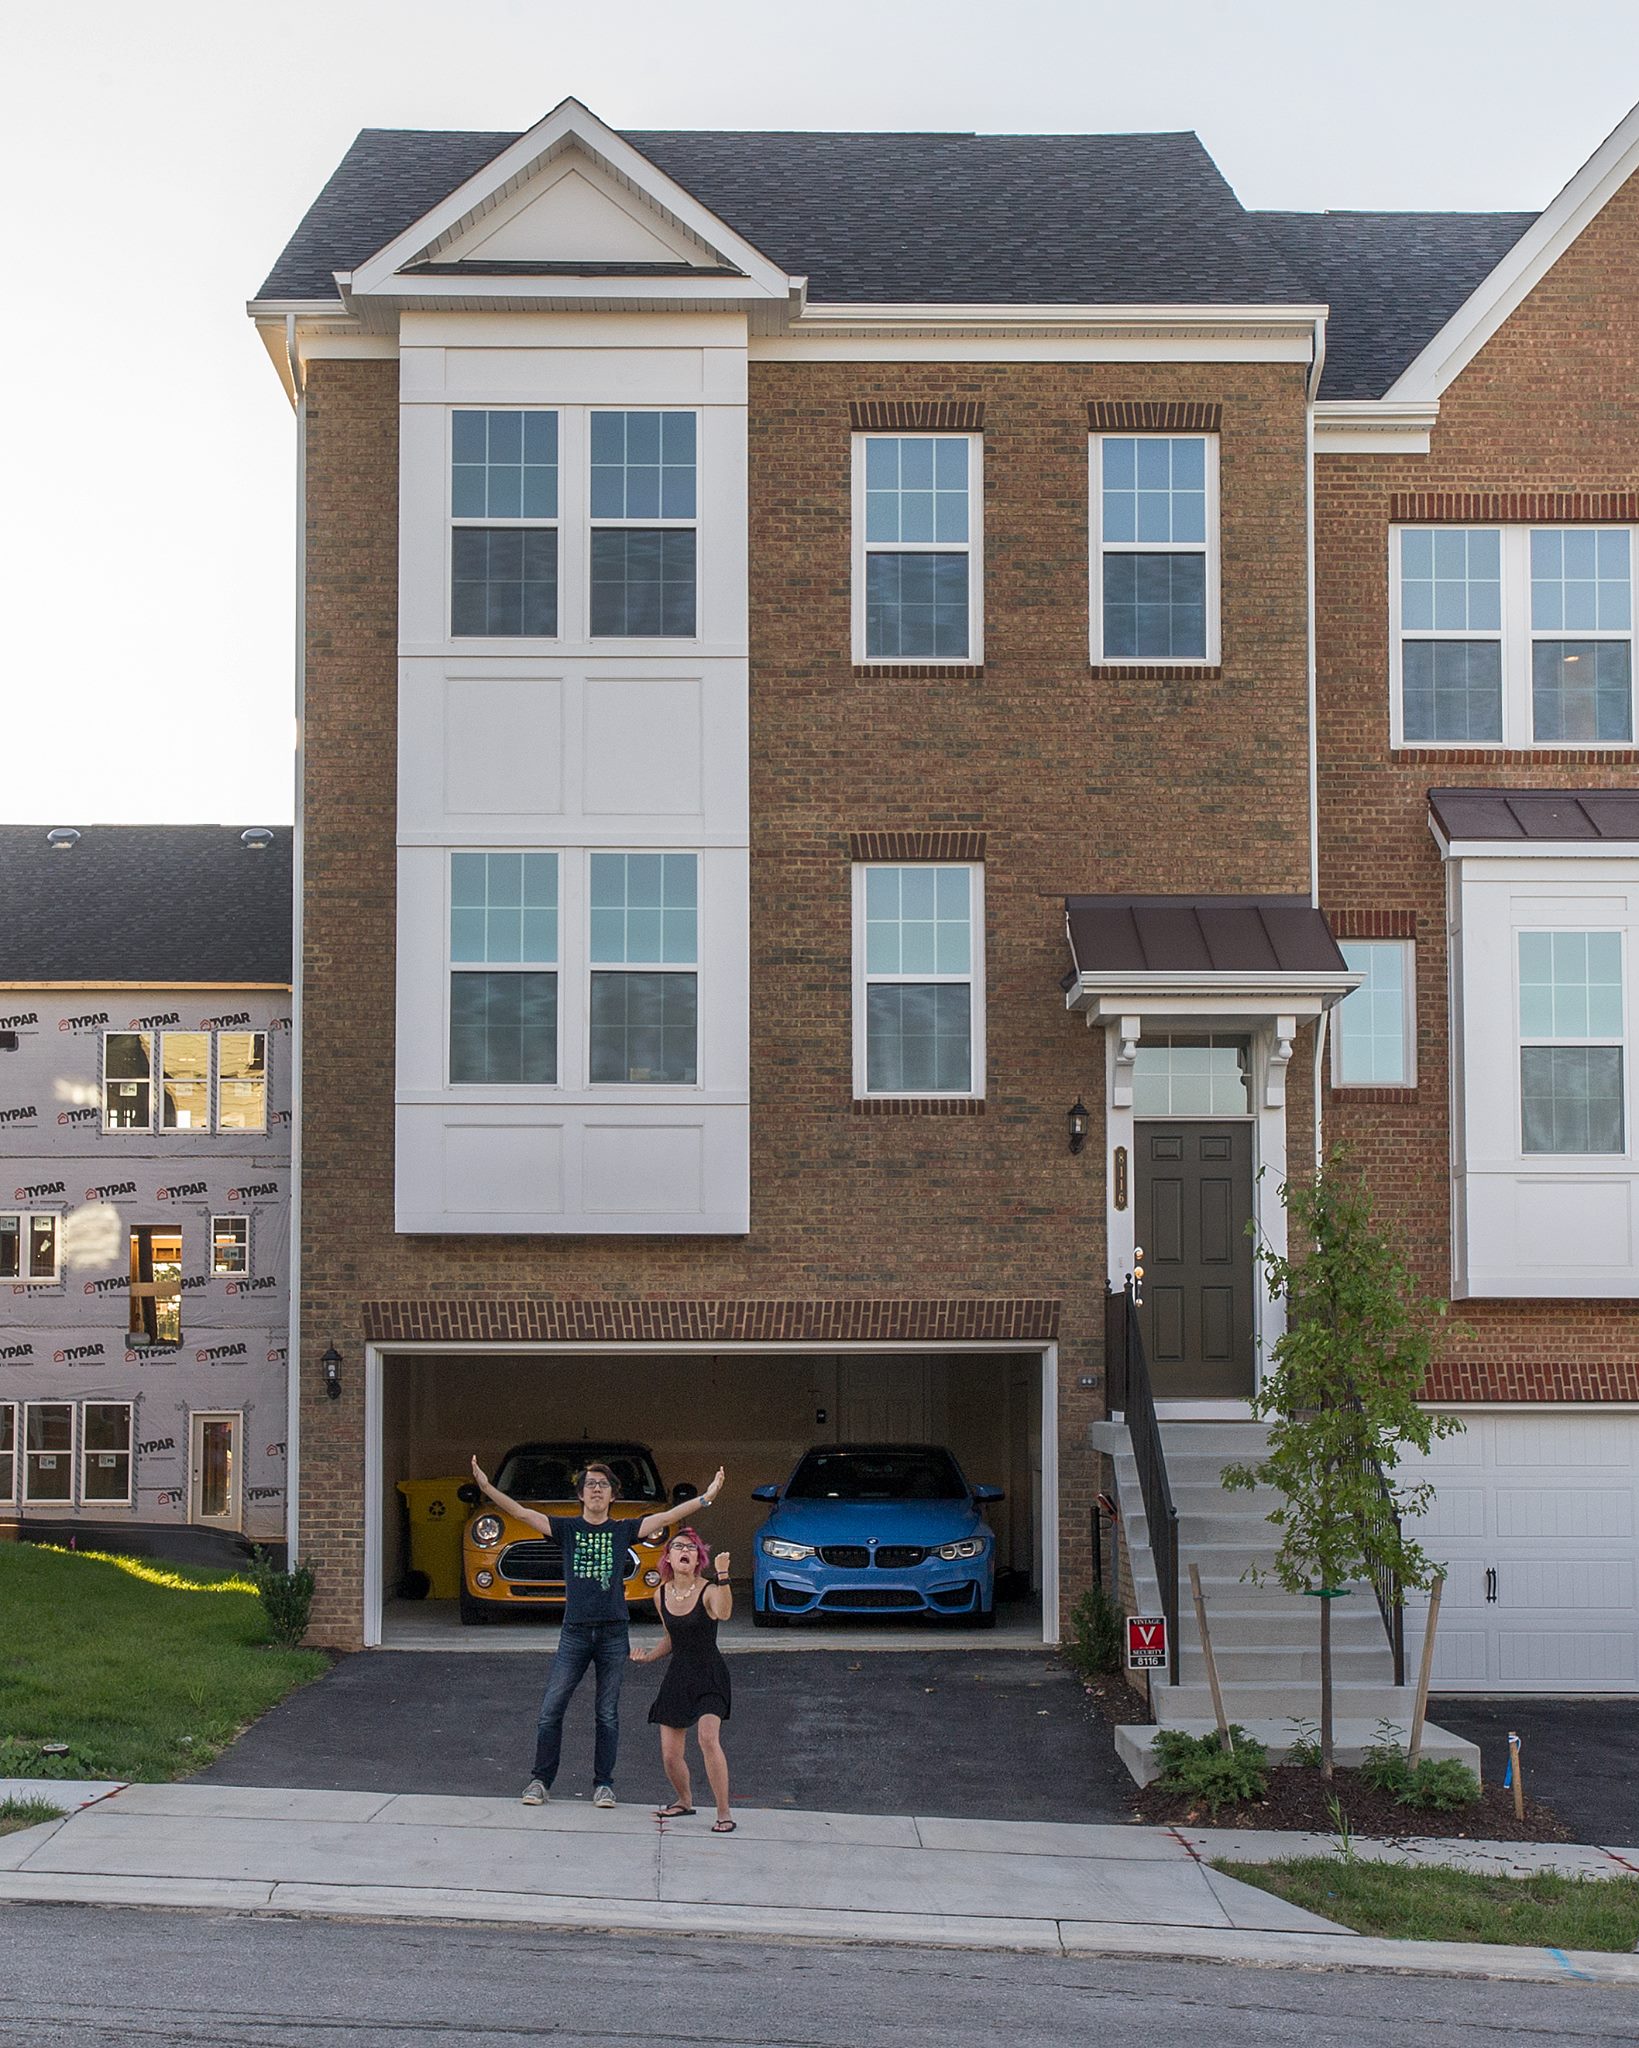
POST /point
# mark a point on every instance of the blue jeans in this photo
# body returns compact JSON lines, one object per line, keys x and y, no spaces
{"x":607,"y":1644}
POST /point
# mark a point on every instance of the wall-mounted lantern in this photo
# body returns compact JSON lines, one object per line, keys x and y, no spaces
{"x":1080,"y":1122}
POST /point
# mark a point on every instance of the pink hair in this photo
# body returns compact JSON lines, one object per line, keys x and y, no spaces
{"x":702,"y":1554}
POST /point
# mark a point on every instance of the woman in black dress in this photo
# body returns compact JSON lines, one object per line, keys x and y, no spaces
{"x":695,"y":1690}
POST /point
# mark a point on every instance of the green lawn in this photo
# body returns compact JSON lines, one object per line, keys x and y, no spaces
{"x":25,"y":1813}
{"x":145,"y":1669}
{"x":1456,"y":1905}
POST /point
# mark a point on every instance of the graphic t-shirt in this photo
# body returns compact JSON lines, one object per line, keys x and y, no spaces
{"x":594,"y":1566}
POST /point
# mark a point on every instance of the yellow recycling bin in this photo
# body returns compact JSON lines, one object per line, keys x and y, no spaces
{"x":437,"y":1517}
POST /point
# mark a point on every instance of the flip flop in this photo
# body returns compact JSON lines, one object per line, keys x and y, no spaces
{"x":676,"y":1811}
{"x":724,"y":1827}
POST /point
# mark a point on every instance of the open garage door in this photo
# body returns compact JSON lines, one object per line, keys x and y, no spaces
{"x":757,"y":1413}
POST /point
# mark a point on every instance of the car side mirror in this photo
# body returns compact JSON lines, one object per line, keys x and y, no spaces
{"x":469,"y":1493}
{"x":681,"y":1493}
{"x":765,"y":1493}
{"x":984,"y":1495}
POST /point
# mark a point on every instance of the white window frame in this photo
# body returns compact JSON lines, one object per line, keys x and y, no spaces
{"x":11,"y":1467}
{"x":643,"y":1091}
{"x":973,"y":548}
{"x":1098,"y":547}
{"x":153,"y":1085}
{"x":218,"y":1077}
{"x":129,"y":1454}
{"x":1408,"y":1020}
{"x":1601,"y":1042}
{"x":591,"y":524}
{"x":243,"y":1234}
{"x":26,"y":1220}
{"x":479,"y":1091}
{"x":29,"y":1498}
{"x":213,"y":1125}
{"x":975,"y":979}
{"x":235,"y":1517}
{"x":453,"y":522}
{"x":1517,"y":634}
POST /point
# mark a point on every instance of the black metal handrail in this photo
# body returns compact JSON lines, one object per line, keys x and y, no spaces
{"x":1391,"y":1603}
{"x":1127,"y":1378}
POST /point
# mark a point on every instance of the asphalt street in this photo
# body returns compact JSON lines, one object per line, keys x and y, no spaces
{"x":96,"y":1977}
{"x":981,"y":1735}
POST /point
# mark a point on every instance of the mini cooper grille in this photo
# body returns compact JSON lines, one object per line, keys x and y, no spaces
{"x":871,"y":1596}
{"x":899,"y":1557}
{"x":540,"y":1559}
{"x":847,"y":1557}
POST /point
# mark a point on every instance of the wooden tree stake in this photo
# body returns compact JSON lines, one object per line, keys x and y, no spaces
{"x":1425,"y":1671}
{"x":1211,"y":1661}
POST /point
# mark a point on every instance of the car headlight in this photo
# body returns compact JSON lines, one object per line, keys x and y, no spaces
{"x":792,"y":1553}
{"x":486,"y":1531}
{"x":970,"y":1546}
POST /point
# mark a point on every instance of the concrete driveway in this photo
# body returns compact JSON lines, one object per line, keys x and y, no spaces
{"x":994,"y":1734}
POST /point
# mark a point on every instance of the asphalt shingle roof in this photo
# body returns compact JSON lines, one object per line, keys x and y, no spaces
{"x":993,"y":219}
{"x":1392,"y":281}
{"x":145,"y":903}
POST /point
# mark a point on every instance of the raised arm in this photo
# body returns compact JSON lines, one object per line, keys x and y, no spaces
{"x":656,"y":1524}
{"x":719,"y":1598}
{"x":505,"y":1500}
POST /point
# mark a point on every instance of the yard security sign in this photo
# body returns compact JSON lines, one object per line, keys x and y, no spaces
{"x":1146,"y":1642}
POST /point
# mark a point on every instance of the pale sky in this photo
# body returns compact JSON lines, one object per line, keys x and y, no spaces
{"x":156,"y":158}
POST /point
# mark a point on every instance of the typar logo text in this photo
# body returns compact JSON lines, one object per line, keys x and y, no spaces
{"x":116,"y":1286}
{"x":16,"y":1354}
{"x":76,"y":1116}
{"x":88,"y":1020}
{"x":76,"y":1354}
{"x":275,"y":1450}
{"x":180,"y":1192}
{"x":278,"y":1354}
{"x":213,"y":1352}
{"x":261,"y":1187}
{"x":157,"y":1022}
{"x":157,"y":1443}
{"x":25,"y":1113}
{"x":21,"y":1021}
{"x":234,"y":1022}
{"x":264,"y":1493}
{"x":109,"y":1189}
{"x":38,"y":1191}
{"x":260,"y":1285}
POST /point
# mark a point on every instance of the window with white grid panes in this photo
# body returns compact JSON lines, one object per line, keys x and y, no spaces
{"x":1572,"y":1041}
{"x":917,"y":558}
{"x":644,"y":525}
{"x":1154,"y":526}
{"x":644,"y":952}
{"x":206,"y":1081}
{"x":918,"y":979}
{"x":105,"y":1453}
{"x":230,"y":1246}
{"x":48,"y":1451}
{"x":1372,"y":1033}
{"x":30,"y":1248}
{"x":504,"y":524}
{"x":1184,"y":1073}
{"x":1512,"y":636}
{"x":503,"y":969}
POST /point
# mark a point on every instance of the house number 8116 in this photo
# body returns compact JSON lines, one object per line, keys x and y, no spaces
{"x":1121,"y":1176}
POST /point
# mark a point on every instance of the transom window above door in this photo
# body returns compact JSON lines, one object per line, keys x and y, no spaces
{"x":1192,"y":1074}
{"x":1513,"y":636}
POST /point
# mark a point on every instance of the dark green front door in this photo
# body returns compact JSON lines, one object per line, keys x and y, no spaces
{"x":1194,"y":1204}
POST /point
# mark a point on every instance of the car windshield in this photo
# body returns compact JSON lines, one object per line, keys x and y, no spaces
{"x":548,"y":1472}
{"x":914,"y":1474}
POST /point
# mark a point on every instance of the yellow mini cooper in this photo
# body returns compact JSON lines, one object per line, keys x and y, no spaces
{"x":506,"y":1564}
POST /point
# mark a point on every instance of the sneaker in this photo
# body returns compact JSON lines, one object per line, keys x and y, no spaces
{"x":604,"y":1795}
{"x":535,"y":1793}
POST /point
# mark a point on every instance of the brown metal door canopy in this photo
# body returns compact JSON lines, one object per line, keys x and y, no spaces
{"x":1194,"y":1205}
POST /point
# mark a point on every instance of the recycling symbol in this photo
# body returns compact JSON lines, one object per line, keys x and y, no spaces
{"x":435,"y":1509}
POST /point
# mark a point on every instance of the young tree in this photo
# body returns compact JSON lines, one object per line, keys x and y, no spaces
{"x":1341,"y":1404}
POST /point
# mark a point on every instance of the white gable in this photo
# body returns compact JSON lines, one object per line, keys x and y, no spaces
{"x":572,"y":213}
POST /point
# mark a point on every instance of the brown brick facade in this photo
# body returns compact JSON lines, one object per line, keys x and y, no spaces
{"x":1542,"y":425}
{"x":499,"y":1320}
{"x":1119,"y":782}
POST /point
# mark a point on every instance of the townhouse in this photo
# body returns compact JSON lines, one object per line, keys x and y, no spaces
{"x":810,"y":843}
{"x":144,"y":1185}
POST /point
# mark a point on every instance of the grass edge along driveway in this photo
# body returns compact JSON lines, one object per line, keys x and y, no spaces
{"x":1429,"y":1903}
{"x":145,"y":1669}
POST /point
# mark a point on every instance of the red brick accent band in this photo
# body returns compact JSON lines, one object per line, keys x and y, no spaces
{"x":916,"y":846}
{"x":918,"y":1105}
{"x":1372,"y":924}
{"x":1153,"y":416}
{"x":1154,"y":672}
{"x":924,"y":415}
{"x":918,"y":671}
{"x":1611,"y":1379}
{"x":1513,"y":757}
{"x":1461,"y":508}
{"x":1367,"y":1094}
{"x":501,"y":1319}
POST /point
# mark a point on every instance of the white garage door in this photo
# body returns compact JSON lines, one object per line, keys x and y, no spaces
{"x":1535,"y":1517}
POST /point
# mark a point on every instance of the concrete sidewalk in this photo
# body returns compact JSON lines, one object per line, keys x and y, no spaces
{"x":1062,"y":1888}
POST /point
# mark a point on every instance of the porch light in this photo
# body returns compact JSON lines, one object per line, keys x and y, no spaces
{"x":331,"y":1361}
{"x":1079,"y":1123}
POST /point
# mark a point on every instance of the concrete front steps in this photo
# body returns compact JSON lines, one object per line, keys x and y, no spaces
{"x":1266,"y":1640}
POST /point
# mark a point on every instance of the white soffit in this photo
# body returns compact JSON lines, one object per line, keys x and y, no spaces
{"x":1499,"y":294}
{"x":1374,"y":426}
{"x":566,"y":184}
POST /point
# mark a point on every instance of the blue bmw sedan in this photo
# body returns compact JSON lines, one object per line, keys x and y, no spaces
{"x":876,"y":1529}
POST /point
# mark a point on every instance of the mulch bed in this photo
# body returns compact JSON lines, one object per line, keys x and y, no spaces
{"x":1115,"y":1700}
{"x":1299,"y":1798}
